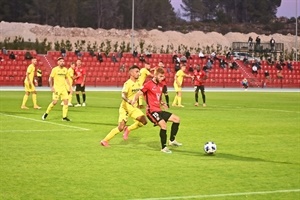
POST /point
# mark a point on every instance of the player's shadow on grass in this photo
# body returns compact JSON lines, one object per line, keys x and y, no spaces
{"x":250,"y":159}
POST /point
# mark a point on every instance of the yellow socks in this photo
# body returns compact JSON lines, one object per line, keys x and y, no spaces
{"x":111,"y":134}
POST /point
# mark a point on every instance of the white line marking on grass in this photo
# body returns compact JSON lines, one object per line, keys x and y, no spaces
{"x":11,"y":131}
{"x":57,"y":124}
{"x":223,"y":195}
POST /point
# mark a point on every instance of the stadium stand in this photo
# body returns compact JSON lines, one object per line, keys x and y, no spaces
{"x":107,"y":73}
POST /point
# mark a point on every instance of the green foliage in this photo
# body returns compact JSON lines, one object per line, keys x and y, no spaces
{"x":257,"y":135}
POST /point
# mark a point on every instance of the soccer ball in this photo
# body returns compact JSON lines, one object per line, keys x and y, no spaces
{"x":210,"y":147}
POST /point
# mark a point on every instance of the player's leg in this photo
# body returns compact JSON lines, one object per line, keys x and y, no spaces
{"x":196,"y":95}
{"x":167,"y":116}
{"x":25,"y":98}
{"x":34,"y":99}
{"x":77,"y":90}
{"x":176,"y":95}
{"x":123,"y":117}
{"x":55,"y":97}
{"x":83,"y":95}
{"x":203,"y":95}
{"x":179,"y":94}
{"x":65,"y":108}
{"x":139,"y":121}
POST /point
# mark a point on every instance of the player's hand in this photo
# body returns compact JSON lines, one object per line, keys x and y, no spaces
{"x":82,"y":84}
{"x":165,"y":106}
{"x":30,"y":85}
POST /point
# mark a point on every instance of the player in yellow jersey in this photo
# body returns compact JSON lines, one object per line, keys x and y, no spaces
{"x":57,"y":81}
{"x":71,"y":72}
{"x":144,"y":73}
{"x":130,"y":88}
{"x":178,"y":79}
{"x":29,"y":86}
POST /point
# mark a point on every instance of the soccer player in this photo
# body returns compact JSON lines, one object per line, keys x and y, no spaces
{"x":29,"y":86}
{"x":80,"y":73}
{"x":71,"y":72}
{"x":144,"y":73}
{"x":58,"y":78}
{"x":152,"y":91}
{"x":199,"y":78}
{"x":127,"y":109}
{"x":180,"y":74}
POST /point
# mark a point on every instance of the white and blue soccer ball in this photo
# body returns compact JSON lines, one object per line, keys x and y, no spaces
{"x":210,"y":147}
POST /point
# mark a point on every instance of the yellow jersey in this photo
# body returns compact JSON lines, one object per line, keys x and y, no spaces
{"x":131,"y":88}
{"x":143,"y":75}
{"x":30,"y":70}
{"x":59,"y":76}
{"x":71,"y":75}
{"x":179,"y":76}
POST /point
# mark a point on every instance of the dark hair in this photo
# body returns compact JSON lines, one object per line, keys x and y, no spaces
{"x":60,"y":58}
{"x":134,"y":67}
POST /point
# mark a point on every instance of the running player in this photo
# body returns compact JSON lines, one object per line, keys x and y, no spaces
{"x":199,"y":78}
{"x":57,"y":81}
{"x":127,"y":108}
{"x":178,"y":79}
{"x":29,"y":86}
{"x":152,"y":91}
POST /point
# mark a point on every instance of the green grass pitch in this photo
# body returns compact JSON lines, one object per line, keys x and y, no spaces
{"x":257,"y":135}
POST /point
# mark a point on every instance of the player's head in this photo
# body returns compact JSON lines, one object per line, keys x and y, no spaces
{"x":147,"y":65}
{"x":60,"y":61}
{"x":72,"y":65}
{"x":78,"y":62}
{"x":183,"y":66}
{"x":34,"y":61}
{"x":159,"y":74}
{"x":134,"y":72}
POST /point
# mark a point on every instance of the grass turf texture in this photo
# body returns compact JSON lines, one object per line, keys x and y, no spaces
{"x":257,"y":135}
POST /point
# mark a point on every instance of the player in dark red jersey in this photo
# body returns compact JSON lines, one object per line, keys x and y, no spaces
{"x":199,"y":78}
{"x":152,"y":91}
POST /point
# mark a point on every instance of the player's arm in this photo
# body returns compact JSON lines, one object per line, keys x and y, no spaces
{"x":176,"y":80}
{"x":125,"y":98}
{"x":51,"y":81}
{"x":28,"y":79}
{"x":136,"y":97}
{"x":69,"y":84}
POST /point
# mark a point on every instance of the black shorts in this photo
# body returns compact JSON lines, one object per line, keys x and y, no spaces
{"x":155,"y":117}
{"x":165,"y":89}
{"x":79,"y":88}
{"x":199,"y":87}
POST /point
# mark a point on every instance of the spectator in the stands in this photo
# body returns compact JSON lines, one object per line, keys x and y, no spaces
{"x":92,"y":53}
{"x":148,"y":53}
{"x":223,"y":64}
{"x":142,"y":58}
{"x":120,"y":54}
{"x":278,"y":66}
{"x":122,"y":68}
{"x":228,"y":55}
{"x":63,"y":52}
{"x":201,"y":55}
{"x":113,"y":58}
{"x":183,"y":59}
{"x":209,"y":64}
{"x":279,"y":74}
{"x":175,"y":58}
{"x":269,"y":60}
{"x":12,"y":56}
{"x":135,"y":53}
{"x":250,"y":41}
{"x":4,"y":51}
{"x":100,"y":57}
{"x":191,"y":68}
{"x":177,"y":67}
{"x":188,"y":55}
{"x":289,"y":65}
{"x":28,"y":55}
{"x":254,"y":70}
{"x":78,"y":53}
{"x":245,"y":84}
{"x":234,"y":65}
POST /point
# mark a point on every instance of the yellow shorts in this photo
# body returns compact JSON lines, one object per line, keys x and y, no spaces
{"x":133,"y":113}
{"x":29,"y":89}
{"x":177,"y":88}
{"x":63,"y":94}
